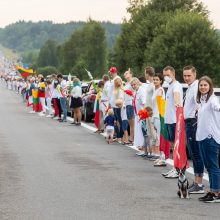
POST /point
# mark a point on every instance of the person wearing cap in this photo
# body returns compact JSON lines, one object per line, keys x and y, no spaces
{"x":113,"y":72}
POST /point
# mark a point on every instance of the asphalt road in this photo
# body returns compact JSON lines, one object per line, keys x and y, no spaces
{"x":50,"y":170}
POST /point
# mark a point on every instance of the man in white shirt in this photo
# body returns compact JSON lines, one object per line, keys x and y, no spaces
{"x":190,"y":108}
{"x":63,"y":96}
{"x":149,"y":74}
{"x":174,"y":98}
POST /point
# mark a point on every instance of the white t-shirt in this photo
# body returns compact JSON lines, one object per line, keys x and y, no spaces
{"x":190,"y":104}
{"x":170,"y":110}
{"x":112,"y":97}
{"x":76,"y":92}
{"x":128,"y":98}
{"x":124,"y":113}
{"x":149,"y":93}
{"x":156,"y":93}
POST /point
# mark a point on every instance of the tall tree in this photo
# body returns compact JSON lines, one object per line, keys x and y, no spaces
{"x":187,"y":38}
{"x":48,"y":54}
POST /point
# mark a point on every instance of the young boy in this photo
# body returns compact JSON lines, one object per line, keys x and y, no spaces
{"x":109,"y":123}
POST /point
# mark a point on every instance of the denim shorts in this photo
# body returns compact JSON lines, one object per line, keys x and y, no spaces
{"x":171,"y":131}
{"x":130,"y":111}
{"x":124,"y":125}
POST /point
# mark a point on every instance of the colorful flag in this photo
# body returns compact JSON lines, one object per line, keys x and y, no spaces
{"x":24,"y":72}
{"x":97,"y":110}
{"x":164,"y":142}
{"x":179,"y":153}
{"x":36,"y":104}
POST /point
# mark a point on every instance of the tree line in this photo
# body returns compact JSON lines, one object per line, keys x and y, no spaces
{"x":176,"y":33}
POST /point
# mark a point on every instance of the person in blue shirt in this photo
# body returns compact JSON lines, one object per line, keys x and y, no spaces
{"x":109,"y":123}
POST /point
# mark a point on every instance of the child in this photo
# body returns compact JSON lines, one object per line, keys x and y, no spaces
{"x":49,"y":98}
{"x":110,"y":122}
{"x":151,"y":137}
{"x":119,"y":103}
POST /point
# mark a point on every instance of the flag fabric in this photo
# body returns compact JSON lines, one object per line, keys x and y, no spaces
{"x":36,"y":104}
{"x":97,"y":110}
{"x":179,"y":152}
{"x":164,"y":141}
{"x":24,"y":72}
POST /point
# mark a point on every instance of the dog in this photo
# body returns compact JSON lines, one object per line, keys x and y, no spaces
{"x":183,"y":184}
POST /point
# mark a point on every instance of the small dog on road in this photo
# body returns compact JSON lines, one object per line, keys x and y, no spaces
{"x":183,"y":184}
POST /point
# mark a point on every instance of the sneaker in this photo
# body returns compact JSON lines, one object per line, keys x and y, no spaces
{"x":142,"y":153}
{"x":31,"y":112}
{"x":154,"y":158}
{"x":212,"y":198}
{"x":196,"y":189}
{"x":172,"y":175}
{"x":215,"y":199}
{"x":208,"y":194}
{"x":160,"y":163}
{"x":55,"y":118}
{"x":41,"y":114}
{"x":49,"y":116}
{"x":63,"y":120}
{"x":165,"y":174}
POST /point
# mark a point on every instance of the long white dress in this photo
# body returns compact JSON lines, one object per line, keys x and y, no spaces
{"x":139,"y":103}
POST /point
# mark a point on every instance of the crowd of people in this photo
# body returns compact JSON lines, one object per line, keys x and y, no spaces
{"x":130,"y":114}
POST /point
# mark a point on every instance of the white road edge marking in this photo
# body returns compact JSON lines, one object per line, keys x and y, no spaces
{"x":168,"y":161}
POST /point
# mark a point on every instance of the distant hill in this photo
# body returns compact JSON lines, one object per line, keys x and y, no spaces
{"x":23,"y":36}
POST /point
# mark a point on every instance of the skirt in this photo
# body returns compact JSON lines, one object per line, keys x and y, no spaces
{"x":76,"y":102}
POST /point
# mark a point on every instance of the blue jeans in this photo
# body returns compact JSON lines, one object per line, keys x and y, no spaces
{"x":118,"y":127}
{"x":210,"y":154}
{"x":171,"y":131}
{"x":193,"y":147}
{"x":130,"y":112}
{"x":63,"y":103}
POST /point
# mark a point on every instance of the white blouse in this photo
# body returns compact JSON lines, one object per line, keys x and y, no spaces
{"x":208,"y":119}
{"x":76,"y":92}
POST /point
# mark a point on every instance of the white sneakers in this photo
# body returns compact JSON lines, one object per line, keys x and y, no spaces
{"x":31,"y":112}
{"x":41,"y":114}
{"x":171,"y":174}
{"x":49,"y":116}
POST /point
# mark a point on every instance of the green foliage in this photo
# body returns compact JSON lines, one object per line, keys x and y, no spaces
{"x":86,"y":48}
{"x":47,"y":70}
{"x":153,"y":37}
{"x":48,"y":54}
{"x":187,"y":38}
{"x":25,"y":36}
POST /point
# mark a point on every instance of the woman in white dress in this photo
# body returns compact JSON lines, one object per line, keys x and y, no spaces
{"x":139,"y":103}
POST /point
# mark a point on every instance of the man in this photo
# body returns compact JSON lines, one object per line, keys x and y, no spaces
{"x":149,"y":74}
{"x":63,"y":96}
{"x":190,"y":107}
{"x":112,"y":103}
{"x":128,"y":75}
{"x":174,"y":98}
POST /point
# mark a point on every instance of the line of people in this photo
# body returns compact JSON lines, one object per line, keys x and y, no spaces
{"x":131,"y":114}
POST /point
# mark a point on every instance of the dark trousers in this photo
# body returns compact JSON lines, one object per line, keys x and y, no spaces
{"x":193,"y":147}
{"x":118,"y":126}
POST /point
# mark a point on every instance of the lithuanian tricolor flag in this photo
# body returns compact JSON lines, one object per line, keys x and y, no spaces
{"x":24,"y":72}
{"x":36,"y":104}
{"x":164,"y":143}
{"x":97,"y":110}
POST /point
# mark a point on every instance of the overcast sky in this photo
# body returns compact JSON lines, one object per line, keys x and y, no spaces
{"x":75,"y":10}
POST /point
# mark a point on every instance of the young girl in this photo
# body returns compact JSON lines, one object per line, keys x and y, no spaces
{"x":41,"y":94}
{"x":76,"y":101}
{"x":49,"y":98}
{"x":118,"y":93}
{"x":110,"y":122}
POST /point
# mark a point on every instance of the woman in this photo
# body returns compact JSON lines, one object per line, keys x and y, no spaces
{"x":139,"y":102}
{"x":76,"y":101}
{"x":158,"y":92}
{"x":208,"y":135}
